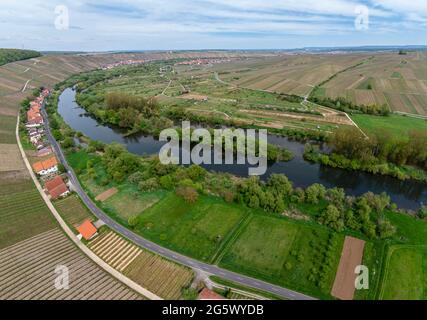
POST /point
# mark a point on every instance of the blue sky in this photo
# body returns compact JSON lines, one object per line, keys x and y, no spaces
{"x":210,"y":24}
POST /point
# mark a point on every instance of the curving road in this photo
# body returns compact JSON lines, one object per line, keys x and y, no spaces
{"x":151,"y":246}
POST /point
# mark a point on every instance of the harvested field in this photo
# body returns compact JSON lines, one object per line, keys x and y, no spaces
{"x":387,"y":74}
{"x":106,"y":195}
{"x":351,"y":257}
{"x":162,"y":277}
{"x":27,"y":272}
{"x":10,"y":158}
{"x":327,"y":117}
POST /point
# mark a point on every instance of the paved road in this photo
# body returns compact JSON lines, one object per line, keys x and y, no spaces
{"x":214,"y":270}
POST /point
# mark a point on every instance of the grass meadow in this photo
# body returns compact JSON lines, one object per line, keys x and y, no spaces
{"x":398,"y":126}
{"x":406,"y":274}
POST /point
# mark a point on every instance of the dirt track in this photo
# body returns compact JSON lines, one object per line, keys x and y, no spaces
{"x":351,"y":257}
{"x":106,"y":195}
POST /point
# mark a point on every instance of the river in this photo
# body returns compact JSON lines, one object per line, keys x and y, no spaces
{"x":406,"y":194}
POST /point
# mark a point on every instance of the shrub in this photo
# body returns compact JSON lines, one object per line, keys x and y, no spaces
{"x":148,"y":185}
{"x":133,"y":221}
{"x":189,"y":194}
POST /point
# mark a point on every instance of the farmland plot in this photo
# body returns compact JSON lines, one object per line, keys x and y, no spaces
{"x":23,"y":213}
{"x":73,"y":211}
{"x":160,"y":276}
{"x":10,"y":158}
{"x":197,"y":230}
{"x":27,"y":272}
{"x":284,"y":253}
{"x":406,"y":272}
{"x":7,"y":129}
{"x":397,"y":78}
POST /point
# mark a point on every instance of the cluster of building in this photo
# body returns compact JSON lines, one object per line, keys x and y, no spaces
{"x":202,"y":61}
{"x":35,"y":121}
{"x":47,"y":169}
{"x":55,"y":184}
{"x":122,"y":63}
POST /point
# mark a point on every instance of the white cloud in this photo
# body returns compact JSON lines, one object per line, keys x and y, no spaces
{"x":162,"y":22}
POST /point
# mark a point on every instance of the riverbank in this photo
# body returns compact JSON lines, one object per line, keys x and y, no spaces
{"x":403,"y":173}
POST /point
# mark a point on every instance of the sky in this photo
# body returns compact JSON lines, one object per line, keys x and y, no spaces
{"x":95,"y":25}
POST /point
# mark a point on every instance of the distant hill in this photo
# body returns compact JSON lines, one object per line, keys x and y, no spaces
{"x":10,"y":55}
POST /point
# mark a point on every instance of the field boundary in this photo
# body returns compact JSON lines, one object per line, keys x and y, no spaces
{"x":413,"y":115}
{"x":120,"y":277}
{"x":234,"y":233}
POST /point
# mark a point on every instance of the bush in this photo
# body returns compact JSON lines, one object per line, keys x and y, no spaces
{"x":422,"y":212}
{"x":167,"y":182}
{"x":148,"y":185}
{"x":189,"y":194}
{"x":133,"y":221}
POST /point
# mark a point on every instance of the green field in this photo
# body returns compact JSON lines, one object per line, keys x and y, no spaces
{"x":7,"y":129}
{"x":406,"y":275}
{"x":197,"y":230}
{"x":409,"y":230}
{"x":23,"y":213}
{"x":128,"y":202}
{"x":286,"y":253}
{"x":398,"y":126}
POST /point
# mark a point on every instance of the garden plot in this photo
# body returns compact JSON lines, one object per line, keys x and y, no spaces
{"x":158,"y":275}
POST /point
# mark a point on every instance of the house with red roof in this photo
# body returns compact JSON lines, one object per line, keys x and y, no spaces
{"x":87,"y":230}
{"x":46,"y":167}
{"x":56,"y":188}
{"x":207,"y":294}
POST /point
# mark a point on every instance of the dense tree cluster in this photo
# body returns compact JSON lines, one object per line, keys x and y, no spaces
{"x":343,"y":104}
{"x":119,"y":163}
{"x":117,"y":101}
{"x":269,"y":196}
{"x":10,"y":55}
{"x":382,"y":146}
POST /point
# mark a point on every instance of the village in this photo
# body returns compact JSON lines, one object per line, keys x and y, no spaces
{"x":123,"y":63}
{"x":202,"y":61}
{"x":50,"y":171}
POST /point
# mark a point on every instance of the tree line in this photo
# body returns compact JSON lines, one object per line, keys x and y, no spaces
{"x":344,"y":105}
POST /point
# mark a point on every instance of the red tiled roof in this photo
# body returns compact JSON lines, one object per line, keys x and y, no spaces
{"x":207,"y":294}
{"x":87,"y":230}
{"x":56,"y":187}
{"x":44,"y":165}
